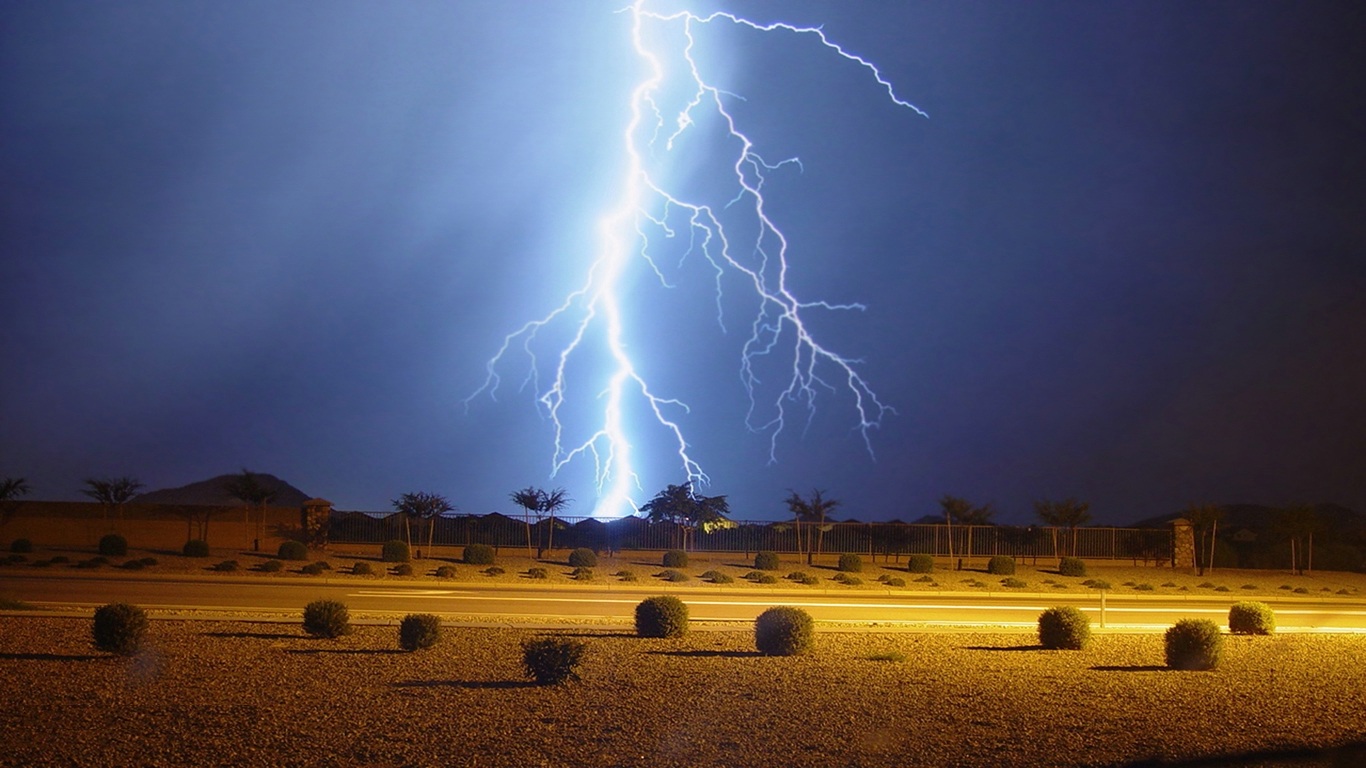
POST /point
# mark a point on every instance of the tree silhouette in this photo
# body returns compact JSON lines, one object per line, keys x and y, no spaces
{"x":813,"y":510}
{"x":529,"y":499}
{"x":1204,"y":520}
{"x":677,"y":504}
{"x":249,"y":488}
{"x":11,"y":488}
{"x":112,"y":494}
{"x":1068,"y":513}
{"x":421,"y":506}
{"x":1298,"y":523}
{"x":552,"y":502}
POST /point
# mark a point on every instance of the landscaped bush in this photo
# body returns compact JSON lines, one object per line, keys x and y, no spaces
{"x":1250,"y":617}
{"x":920,"y":564}
{"x":1001,"y":565}
{"x":419,"y":631}
{"x":1065,"y":628}
{"x":119,"y":628}
{"x":583,"y":557}
{"x":1010,"y":582}
{"x":59,"y":559}
{"x":924,"y":579}
{"x":808,"y":579}
{"x":113,"y":545}
{"x":227,"y":566}
{"x":493,"y":570}
{"x":717,"y":577}
{"x":665,"y":616}
{"x":478,"y":554}
{"x":313,"y":569}
{"x":94,"y":562}
{"x":147,"y":562}
{"x":627,"y":575}
{"x":292,"y":550}
{"x":582,"y":574}
{"x":1194,"y":644}
{"x":766,"y":561}
{"x":195,"y":548}
{"x":895,"y":581}
{"x":271,"y":566}
{"x":675,"y":558}
{"x":552,"y":660}
{"x":673,"y":575}
{"x":767,"y":578}
{"x":1072,"y":566}
{"x":445,"y":572}
{"x":21,"y":545}
{"x":537,"y":573}
{"x":845,"y":578}
{"x":850,"y":563}
{"x":394,"y":551}
{"x":130,"y":565}
{"x":327,"y":618}
{"x":361,"y":568}
{"x":783,"y":631}
{"x":403,"y":569}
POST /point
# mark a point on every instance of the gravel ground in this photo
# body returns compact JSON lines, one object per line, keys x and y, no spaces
{"x":236,"y":693}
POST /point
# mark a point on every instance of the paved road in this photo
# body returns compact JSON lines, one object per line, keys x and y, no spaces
{"x":616,"y":602}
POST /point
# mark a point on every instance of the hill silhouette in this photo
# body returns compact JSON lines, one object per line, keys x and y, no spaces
{"x":213,"y":493}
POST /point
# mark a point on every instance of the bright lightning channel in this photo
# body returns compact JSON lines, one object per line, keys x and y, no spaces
{"x":593,"y":315}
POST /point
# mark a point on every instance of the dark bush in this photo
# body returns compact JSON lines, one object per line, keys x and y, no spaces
{"x":493,"y":570}
{"x":227,"y":566}
{"x":766,"y":561}
{"x":537,"y":573}
{"x":327,"y":618}
{"x":665,"y":616}
{"x":128,"y":565}
{"x":920,"y":563}
{"x":445,"y":572}
{"x":1250,"y":617}
{"x":113,"y":545}
{"x":419,"y":631}
{"x":195,"y":548}
{"x":783,"y":631}
{"x":324,"y":565}
{"x":292,"y":550}
{"x":895,"y":581}
{"x":552,"y":660}
{"x":1194,"y":644}
{"x":1072,"y":566}
{"x":850,"y":563}
{"x":313,"y":569}
{"x":21,"y":545}
{"x":271,"y":566}
{"x":673,"y":575}
{"x":845,"y":578}
{"x":478,"y":554}
{"x":583,"y":557}
{"x":627,"y":576}
{"x":147,"y":562}
{"x":722,"y":578}
{"x":362,"y":568}
{"x":1010,"y":582}
{"x":394,"y":551}
{"x":94,"y":562}
{"x":767,"y":578}
{"x":1001,"y":565}
{"x":675,"y":558}
{"x":403,"y":569}
{"x":119,"y":628}
{"x":59,"y":560}
{"x":924,"y":579}
{"x":1065,"y":628}
{"x":582,"y":574}
{"x":809,"y":579}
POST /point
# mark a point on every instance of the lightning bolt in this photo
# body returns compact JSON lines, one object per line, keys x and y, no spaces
{"x":733,"y":233}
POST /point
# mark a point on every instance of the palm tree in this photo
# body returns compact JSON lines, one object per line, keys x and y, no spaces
{"x":811,"y":510}
{"x":688,"y":511}
{"x":529,"y":499}
{"x":11,"y":488}
{"x":249,"y":488}
{"x":1069,"y":514}
{"x":552,"y":502}
{"x":423,"y":506}
{"x":112,"y":493}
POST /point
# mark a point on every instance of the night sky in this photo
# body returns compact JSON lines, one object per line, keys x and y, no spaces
{"x":1123,"y":259}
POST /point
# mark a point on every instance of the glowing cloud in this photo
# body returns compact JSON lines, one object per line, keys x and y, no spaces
{"x":591,"y":360}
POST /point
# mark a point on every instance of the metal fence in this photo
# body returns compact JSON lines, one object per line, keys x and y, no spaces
{"x":889,"y":540}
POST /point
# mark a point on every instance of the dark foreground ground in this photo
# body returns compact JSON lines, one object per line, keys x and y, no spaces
{"x":221,"y":693}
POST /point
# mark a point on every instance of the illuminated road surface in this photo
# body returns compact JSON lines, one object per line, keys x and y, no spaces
{"x":887,"y":609}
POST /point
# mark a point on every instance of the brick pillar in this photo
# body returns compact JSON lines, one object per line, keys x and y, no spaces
{"x":1183,"y":544}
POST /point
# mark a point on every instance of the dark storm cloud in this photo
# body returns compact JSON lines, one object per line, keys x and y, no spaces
{"x":1122,"y":260}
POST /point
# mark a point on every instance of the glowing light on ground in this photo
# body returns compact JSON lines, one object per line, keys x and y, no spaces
{"x":676,"y":95}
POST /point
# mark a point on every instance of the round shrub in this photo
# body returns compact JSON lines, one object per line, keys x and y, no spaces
{"x":395,"y":551}
{"x":1250,"y":617}
{"x":113,"y":545}
{"x":552,"y":660}
{"x":21,"y":545}
{"x":478,"y":554}
{"x":537,"y":573}
{"x":1010,"y":582}
{"x":895,"y":581}
{"x":1065,"y":628}
{"x":767,"y":578}
{"x":227,"y":566}
{"x":582,"y":574}
{"x":130,"y":565}
{"x":675,"y":558}
{"x":1001,"y":565}
{"x":493,"y":570}
{"x":313,"y":569}
{"x":845,"y":578}
{"x":119,"y":628}
{"x":783,"y":631}
{"x":419,"y":631}
{"x":850,"y":563}
{"x":445,"y":572}
{"x":1194,"y":644}
{"x":403,"y":569}
{"x":673,"y":575}
{"x":583,"y":557}
{"x":195,"y":548}
{"x":665,"y":616}
{"x":362,"y":568}
{"x":146,"y":561}
{"x":722,"y":578}
{"x":920,"y":563}
{"x":292,"y":550}
{"x":627,"y":576}
{"x":766,"y":561}
{"x":327,"y":618}
{"x":808,"y":579}
{"x":1072,"y":566}
{"x":272,"y":566}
